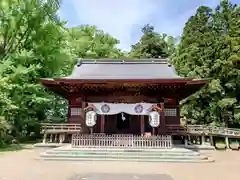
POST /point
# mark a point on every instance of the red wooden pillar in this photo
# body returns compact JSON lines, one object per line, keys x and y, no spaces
{"x":162,"y":122}
{"x":178,"y":114}
{"x":142,"y":125}
{"x":69,"y":111}
{"x":153,"y":131}
{"x":102,"y":123}
{"x":82,"y":118}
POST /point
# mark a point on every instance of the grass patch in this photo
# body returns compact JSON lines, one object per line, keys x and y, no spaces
{"x":12,"y":147}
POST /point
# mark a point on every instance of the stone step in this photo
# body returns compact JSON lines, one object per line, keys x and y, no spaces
{"x":123,"y":148}
{"x":124,"y":153}
{"x":126,"y":149}
{"x":122,"y":156}
{"x":129,"y":160}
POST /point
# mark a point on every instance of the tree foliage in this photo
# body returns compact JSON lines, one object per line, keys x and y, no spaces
{"x":209,"y":48}
{"x":90,"y":42}
{"x":153,"y":44}
{"x":32,"y":46}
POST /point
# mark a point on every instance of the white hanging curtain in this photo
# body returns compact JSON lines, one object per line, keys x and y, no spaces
{"x":132,"y":109}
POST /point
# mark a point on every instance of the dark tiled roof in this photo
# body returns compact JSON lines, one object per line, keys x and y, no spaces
{"x":123,"y":69}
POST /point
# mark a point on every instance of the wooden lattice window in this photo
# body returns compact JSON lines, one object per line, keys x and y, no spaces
{"x":75,"y":111}
{"x":170,"y":112}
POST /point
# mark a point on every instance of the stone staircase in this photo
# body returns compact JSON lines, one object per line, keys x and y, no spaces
{"x":124,"y":154}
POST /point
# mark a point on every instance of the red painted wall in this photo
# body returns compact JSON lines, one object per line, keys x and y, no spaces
{"x":75,"y":102}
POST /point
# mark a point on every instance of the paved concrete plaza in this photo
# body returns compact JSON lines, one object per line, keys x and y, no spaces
{"x":119,"y":176}
{"x":22,"y":165}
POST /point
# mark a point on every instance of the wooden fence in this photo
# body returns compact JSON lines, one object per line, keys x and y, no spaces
{"x":121,"y":140}
{"x":203,"y":130}
{"x":60,"y":128}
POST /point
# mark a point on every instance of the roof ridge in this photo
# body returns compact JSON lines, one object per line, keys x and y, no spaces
{"x":121,"y":61}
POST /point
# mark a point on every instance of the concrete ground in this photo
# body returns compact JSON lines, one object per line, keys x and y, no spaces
{"x":23,"y":165}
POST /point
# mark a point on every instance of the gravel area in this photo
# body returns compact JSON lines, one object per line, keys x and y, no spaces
{"x":23,"y":165}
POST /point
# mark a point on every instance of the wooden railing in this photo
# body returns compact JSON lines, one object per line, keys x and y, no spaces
{"x":176,"y":129}
{"x":120,"y":140}
{"x":203,"y":129}
{"x":60,"y":128}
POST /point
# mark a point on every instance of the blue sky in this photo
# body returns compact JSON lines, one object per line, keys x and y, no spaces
{"x":123,"y":19}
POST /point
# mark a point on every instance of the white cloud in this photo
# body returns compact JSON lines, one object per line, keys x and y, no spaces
{"x":174,"y":27}
{"x":124,"y":18}
{"x":115,"y":17}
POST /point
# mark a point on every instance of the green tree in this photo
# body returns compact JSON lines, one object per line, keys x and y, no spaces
{"x":206,"y":50}
{"x":33,"y":46}
{"x":89,"y":42}
{"x":152,"y":44}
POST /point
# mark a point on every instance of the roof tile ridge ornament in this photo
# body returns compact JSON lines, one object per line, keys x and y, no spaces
{"x":167,"y":61}
{"x":79,"y":62}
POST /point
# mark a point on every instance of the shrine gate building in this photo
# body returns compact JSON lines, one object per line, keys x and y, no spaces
{"x":136,"y":96}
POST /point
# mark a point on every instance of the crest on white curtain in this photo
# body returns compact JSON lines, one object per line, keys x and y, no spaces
{"x":154,"y":119}
{"x":138,"y":108}
{"x":105,"y":108}
{"x":91,"y":118}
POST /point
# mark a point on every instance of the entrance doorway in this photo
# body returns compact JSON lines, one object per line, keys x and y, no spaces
{"x":122,"y":124}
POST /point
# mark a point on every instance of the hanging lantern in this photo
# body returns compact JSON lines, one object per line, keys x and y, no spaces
{"x":91,"y":118}
{"x":154,"y":119}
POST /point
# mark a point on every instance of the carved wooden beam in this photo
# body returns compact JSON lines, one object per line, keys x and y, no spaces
{"x":121,"y":99}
